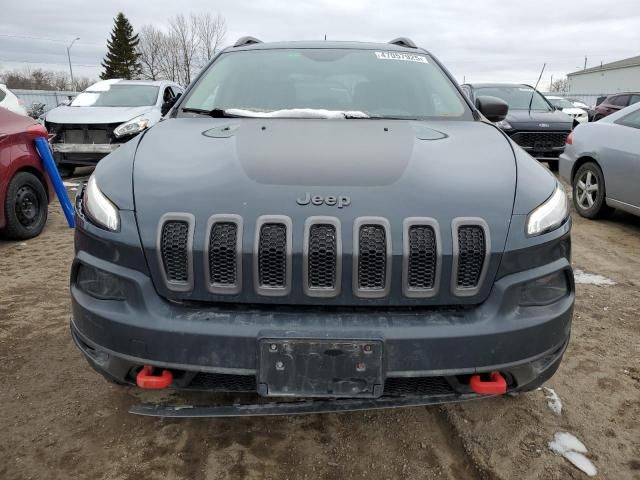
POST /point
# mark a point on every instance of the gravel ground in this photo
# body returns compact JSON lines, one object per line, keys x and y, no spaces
{"x":60,"y":420}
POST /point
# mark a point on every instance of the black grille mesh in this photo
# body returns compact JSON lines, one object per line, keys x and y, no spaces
{"x":323,"y":256}
{"x":471,"y":250}
{"x":422,"y":257}
{"x":540,"y":140}
{"x":372,"y":260}
{"x":272,"y":255}
{"x":174,"y":244}
{"x":398,"y":386}
{"x":223,"y":254}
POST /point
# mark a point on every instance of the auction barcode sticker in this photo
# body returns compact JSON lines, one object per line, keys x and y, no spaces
{"x":405,"y":57}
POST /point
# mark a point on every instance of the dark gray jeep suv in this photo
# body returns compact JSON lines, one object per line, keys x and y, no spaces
{"x":326,"y":221}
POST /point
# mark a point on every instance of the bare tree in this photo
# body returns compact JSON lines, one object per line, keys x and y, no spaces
{"x":560,"y":86}
{"x":184,"y":48}
{"x":38,"y":79}
{"x":211,"y":31}
{"x":150,"y":48}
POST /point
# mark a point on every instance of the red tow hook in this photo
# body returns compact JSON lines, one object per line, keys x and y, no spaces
{"x":146,"y":378}
{"x":497,"y":385}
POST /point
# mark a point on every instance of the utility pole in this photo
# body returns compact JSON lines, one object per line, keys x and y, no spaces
{"x":551,"y":84}
{"x":73,"y":84}
{"x":585,"y":62}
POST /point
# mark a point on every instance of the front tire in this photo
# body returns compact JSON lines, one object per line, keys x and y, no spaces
{"x":589,"y":192}
{"x":25,"y":207}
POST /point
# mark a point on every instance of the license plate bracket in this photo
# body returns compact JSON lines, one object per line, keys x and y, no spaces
{"x":303,"y":367}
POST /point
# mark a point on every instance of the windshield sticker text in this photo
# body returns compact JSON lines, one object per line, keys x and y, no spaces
{"x":405,"y":57}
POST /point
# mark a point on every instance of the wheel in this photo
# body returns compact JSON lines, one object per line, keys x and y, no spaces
{"x":25,"y":207}
{"x":589,"y":191}
{"x":65,"y":170}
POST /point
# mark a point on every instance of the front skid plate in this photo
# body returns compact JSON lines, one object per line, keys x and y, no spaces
{"x":296,"y":408}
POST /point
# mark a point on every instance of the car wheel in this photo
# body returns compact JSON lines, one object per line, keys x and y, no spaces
{"x":66,"y":170}
{"x":25,"y":207}
{"x":589,"y":191}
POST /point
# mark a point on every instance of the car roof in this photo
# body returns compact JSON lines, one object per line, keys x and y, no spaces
{"x":327,"y":44}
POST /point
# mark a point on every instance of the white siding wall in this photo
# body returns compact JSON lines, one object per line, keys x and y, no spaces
{"x":607,"y":81}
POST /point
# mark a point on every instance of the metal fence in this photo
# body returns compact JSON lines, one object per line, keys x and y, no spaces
{"x":49,"y":98}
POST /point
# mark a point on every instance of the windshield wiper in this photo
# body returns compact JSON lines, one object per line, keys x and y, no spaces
{"x":215,"y":113}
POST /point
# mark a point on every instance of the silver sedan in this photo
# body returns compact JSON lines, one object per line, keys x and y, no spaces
{"x":602,"y":163}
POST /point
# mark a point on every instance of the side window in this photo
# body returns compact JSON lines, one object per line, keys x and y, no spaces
{"x":634,"y":99}
{"x":632,"y":120}
{"x":620,"y":100}
{"x":2,"y":95}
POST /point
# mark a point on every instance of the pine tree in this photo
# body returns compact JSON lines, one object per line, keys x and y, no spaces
{"x":122,"y":59}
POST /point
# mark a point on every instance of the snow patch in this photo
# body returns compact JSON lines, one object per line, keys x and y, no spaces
{"x":299,"y":113}
{"x":553,"y":400}
{"x":591,"y":278}
{"x":568,"y":446}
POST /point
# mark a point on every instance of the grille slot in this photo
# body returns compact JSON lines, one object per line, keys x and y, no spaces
{"x":322,"y":267}
{"x":540,"y":141}
{"x":421,"y":257}
{"x":273,"y":255}
{"x":224,"y":254}
{"x":401,"y":386}
{"x":372,"y":259}
{"x":471,"y":247}
{"x":175,"y":250}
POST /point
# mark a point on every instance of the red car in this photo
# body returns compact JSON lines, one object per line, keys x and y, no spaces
{"x":616,"y":102}
{"x":25,"y":190}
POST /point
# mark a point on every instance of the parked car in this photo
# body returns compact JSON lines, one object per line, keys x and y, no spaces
{"x":324,"y":219}
{"x":532,"y":122}
{"x":566,"y":106}
{"x":25,"y":191}
{"x":103,"y":117}
{"x":613,"y":103}
{"x":580,"y":104}
{"x":9,"y":101}
{"x":602,"y":163}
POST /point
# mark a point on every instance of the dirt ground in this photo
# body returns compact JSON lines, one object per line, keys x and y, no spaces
{"x":60,"y":420}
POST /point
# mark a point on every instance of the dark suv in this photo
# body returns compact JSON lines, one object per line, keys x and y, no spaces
{"x":533,"y":122}
{"x":332,"y":221}
{"x":616,"y":102}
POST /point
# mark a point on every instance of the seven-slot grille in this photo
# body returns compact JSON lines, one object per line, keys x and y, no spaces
{"x":175,"y":250}
{"x":272,"y":256}
{"x":322,"y":255}
{"x":223,"y":261}
{"x":471,"y":256}
{"x":422,"y":257}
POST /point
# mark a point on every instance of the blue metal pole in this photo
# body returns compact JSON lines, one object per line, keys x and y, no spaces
{"x":42,"y":146}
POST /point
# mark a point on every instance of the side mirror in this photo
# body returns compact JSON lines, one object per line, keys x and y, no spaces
{"x":166,"y":106}
{"x":495,"y":109}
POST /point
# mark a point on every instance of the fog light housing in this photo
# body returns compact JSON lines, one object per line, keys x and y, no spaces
{"x":544,"y":290}
{"x":99,"y":284}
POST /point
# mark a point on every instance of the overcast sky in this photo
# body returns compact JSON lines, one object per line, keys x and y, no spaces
{"x":477,"y":40}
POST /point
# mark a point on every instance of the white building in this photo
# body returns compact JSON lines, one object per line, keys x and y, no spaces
{"x":620,"y":76}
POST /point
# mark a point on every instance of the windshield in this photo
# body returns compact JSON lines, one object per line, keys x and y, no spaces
{"x":560,"y":102}
{"x":115,"y":95}
{"x":307,"y":83}
{"x":517,"y":97}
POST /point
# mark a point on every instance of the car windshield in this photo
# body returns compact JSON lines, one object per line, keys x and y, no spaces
{"x":517,"y":97}
{"x":324,"y":82}
{"x":560,"y":103}
{"x":114,"y":95}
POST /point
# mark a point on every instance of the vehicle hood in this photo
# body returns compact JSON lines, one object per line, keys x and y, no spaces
{"x":391,"y":169}
{"x":574,"y":111}
{"x":89,"y":115}
{"x":523,"y":119}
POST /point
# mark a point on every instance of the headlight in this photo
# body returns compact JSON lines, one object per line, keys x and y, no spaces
{"x":503,"y":124}
{"x":131,"y":127}
{"x":99,"y":208}
{"x":550,"y":215}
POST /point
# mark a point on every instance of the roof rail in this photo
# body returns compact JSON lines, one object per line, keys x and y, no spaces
{"x":242,"y":41}
{"x":403,"y":42}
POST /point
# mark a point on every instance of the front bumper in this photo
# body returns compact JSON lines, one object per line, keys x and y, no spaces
{"x":82,"y":153}
{"x":221,"y":342}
